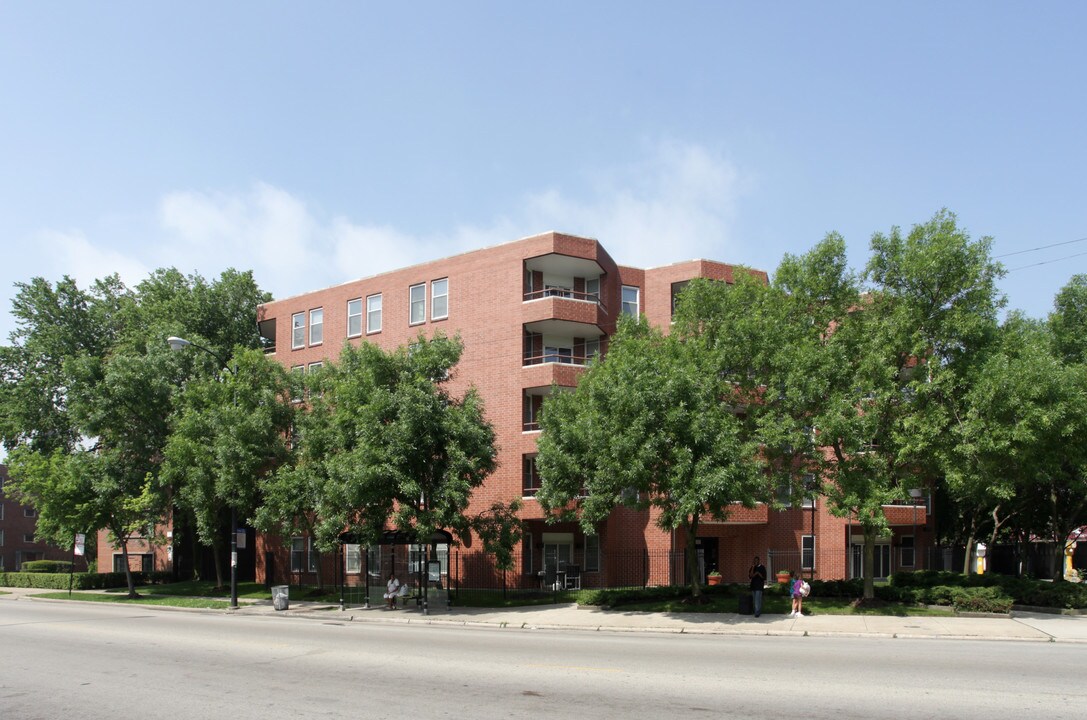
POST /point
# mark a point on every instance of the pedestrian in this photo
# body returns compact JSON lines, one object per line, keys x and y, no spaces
{"x":392,"y":586}
{"x":757,"y":574}
{"x":796,"y":590}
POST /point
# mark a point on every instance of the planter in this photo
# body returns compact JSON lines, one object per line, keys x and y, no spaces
{"x":713,"y":579}
{"x":783,"y":577}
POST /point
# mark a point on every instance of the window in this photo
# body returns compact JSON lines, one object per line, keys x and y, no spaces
{"x":592,"y":349}
{"x":315,"y":366}
{"x":28,"y":537}
{"x":592,"y":553}
{"x":530,"y":406}
{"x":297,"y":384}
{"x":352,"y":559}
{"x":530,"y":476}
{"x":677,"y":288}
{"x":1,"y":511}
{"x":1,"y":538}
{"x":298,"y":554}
{"x":526,"y":555}
{"x":298,"y":330}
{"x":439,"y":299}
{"x":807,"y":552}
{"x":558,"y":354}
{"x":373,"y":561}
{"x":316,"y":326}
{"x":373,"y":313}
{"x":417,"y":300}
{"x":118,"y":563}
{"x":908,"y":554}
{"x":354,"y":317}
{"x":30,"y":512}
{"x":592,"y":289}
{"x":630,"y":301}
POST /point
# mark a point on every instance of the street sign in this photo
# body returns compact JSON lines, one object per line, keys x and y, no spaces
{"x":80,"y":544}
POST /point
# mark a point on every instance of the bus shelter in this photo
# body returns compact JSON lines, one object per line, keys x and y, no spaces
{"x":420,"y":564}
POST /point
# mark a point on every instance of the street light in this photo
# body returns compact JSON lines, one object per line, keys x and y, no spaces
{"x":177,"y":344}
{"x":915,"y":495}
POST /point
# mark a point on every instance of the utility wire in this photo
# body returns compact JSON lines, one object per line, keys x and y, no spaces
{"x":1043,"y":247}
{"x":1045,"y":262}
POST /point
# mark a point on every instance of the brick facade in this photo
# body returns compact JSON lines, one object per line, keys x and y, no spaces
{"x":526,"y":311}
{"x":18,"y":524}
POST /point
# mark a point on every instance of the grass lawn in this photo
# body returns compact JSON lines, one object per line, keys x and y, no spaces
{"x":188,"y":602}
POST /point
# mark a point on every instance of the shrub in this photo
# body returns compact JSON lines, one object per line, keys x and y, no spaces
{"x":80,"y":581}
{"x":981,"y":599}
{"x":46,"y":566}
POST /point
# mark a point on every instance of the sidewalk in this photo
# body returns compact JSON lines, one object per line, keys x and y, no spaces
{"x":1022,"y":626}
{"x":1025,"y":626}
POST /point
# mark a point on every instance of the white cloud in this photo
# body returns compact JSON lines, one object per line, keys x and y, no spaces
{"x":674,"y":203}
{"x":71,"y":253}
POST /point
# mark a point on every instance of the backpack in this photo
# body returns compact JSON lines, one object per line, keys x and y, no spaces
{"x":805,"y":588}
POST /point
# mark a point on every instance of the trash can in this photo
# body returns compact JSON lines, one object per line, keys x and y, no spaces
{"x":281,"y":599}
{"x":746,"y":605}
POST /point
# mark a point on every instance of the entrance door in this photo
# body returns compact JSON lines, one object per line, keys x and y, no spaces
{"x":707,"y":549}
{"x":881,"y":560}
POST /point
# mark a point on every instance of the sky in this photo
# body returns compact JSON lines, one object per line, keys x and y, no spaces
{"x":320,"y":142}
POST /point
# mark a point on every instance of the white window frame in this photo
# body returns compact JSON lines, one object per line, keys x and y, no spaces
{"x":636,"y":303}
{"x":305,"y":553}
{"x":373,"y":313}
{"x":420,"y":318}
{"x":435,"y":296}
{"x":807,"y":563}
{"x":1,"y":511}
{"x":352,"y":559}
{"x":29,"y":512}
{"x":592,"y":288}
{"x":354,"y":318}
{"x":298,"y":330}
{"x":316,"y":326}
{"x":1,"y":537}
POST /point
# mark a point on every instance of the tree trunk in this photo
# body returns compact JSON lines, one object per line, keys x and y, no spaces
{"x":869,"y":563}
{"x":132,"y":594}
{"x":217,"y":556}
{"x":689,"y":530}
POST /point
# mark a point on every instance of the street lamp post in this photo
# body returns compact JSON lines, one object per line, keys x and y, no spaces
{"x":176,"y":344}
{"x":915,"y":495}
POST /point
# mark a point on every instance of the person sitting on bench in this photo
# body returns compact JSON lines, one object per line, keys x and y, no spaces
{"x":392,"y":587}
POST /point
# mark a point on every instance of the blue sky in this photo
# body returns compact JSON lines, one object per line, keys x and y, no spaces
{"x":320,"y":142}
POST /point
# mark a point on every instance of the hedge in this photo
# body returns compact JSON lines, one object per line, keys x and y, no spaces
{"x":46,"y":566}
{"x":80,"y":581}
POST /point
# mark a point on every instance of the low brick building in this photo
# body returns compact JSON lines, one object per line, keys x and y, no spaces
{"x":18,"y":524}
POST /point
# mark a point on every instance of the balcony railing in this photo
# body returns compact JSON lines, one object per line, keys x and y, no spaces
{"x":558,"y":292}
{"x":552,"y":356}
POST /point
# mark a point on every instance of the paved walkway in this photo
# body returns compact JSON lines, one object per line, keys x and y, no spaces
{"x":1024,"y":626}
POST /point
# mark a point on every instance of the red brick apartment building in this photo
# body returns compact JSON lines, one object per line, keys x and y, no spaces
{"x":18,"y":523}
{"x":530,"y":314}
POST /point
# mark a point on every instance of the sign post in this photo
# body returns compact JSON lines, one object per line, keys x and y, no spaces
{"x":78,"y":548}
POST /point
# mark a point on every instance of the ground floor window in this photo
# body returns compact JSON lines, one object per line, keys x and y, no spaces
{"x":146,"y":561}
{"x":352,"y":559}
{"x":807,"y":552}
{"x":908,"y":554}
{"x":592,"y":553}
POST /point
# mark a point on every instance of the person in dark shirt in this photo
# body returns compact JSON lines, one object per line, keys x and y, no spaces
{"x":757,"y":573}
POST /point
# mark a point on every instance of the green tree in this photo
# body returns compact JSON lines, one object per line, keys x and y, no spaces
{"x":385,"y":442}
{"x":229,"y":433}
{"x":86,"y":387}
{"x":648,"y":427}
{"x":1017,"y":448}
{"x":1068,"y":320}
